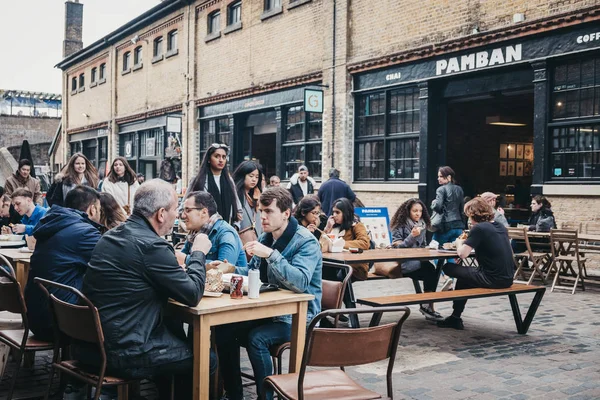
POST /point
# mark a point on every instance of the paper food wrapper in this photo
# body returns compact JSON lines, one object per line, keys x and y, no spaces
{"x":214,"y":281}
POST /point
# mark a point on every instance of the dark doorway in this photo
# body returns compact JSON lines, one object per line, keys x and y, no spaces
{"x":259,"y":138}
{"x":489,"y":144}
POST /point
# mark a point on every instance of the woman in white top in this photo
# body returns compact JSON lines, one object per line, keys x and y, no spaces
{"x":213,"y":177}
{"x":122,"y":183}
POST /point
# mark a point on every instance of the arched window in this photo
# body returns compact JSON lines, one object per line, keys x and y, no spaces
{"x":172,"y":41}
{"x":137,"y":56}
{"x":158,"y":47}
{"x":126,"y":61}
{"x":214,"y":22}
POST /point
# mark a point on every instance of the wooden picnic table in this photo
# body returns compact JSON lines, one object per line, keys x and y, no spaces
{"x":212,"y":311}
{"x":20,"y":262}
{"x":583,"y":237}
{"x":344,"y":259}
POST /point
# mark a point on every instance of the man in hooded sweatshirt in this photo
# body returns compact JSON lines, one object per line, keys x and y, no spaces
{"x":65,"y":238}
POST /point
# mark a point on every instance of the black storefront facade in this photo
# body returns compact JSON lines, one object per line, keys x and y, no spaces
{"x":93,"y":144}
{"x":407,"y":116}
{"x":271,"y":128}
{"x":146,"y":143}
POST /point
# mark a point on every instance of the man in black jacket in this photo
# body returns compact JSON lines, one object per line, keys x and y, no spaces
{"x":131,"y":275}
{"x":301,"y":184}
{"x":332,"y":189}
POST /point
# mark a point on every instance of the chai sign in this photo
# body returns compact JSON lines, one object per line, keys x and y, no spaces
{"x":313,"y":100}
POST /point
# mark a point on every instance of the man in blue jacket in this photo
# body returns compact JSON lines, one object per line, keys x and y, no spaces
{"x":31,"y":213}
{"x":200,"y":214}
{"x":332,"y":189}
{"x":289,"y":256}
{"x":65,"y":238}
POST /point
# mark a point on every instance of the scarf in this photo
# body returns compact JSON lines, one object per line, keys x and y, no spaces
{"x":252,"y":197}
{"x":279,"y":245}
{"x":223,"y":198}
{"x":206,"y":228}
{"x":410,"y":224}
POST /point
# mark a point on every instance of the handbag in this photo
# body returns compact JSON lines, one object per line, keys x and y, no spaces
{"x":127,"y":207}
{"x":248,"y":234}
{"x":437,"y":222}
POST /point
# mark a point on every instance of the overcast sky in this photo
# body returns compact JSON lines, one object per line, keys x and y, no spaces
{"x":33,"y":32}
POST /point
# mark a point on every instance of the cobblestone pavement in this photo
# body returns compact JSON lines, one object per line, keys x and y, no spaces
{"x":557,"y":359}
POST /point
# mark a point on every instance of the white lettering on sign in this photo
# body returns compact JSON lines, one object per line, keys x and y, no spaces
{"x":588,"y":37}
{"x":393,"y":77}
{"x":482,"y":59}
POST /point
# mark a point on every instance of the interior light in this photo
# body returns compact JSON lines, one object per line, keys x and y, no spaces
{"x":559,"y":104}
{"x":502,"y":121}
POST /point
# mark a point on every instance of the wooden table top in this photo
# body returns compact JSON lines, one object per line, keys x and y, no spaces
{"x":15,"y":254}
{"x":210,"y":305}
{"x":376,"y":255}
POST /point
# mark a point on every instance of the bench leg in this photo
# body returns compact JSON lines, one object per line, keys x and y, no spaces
{"x":523,"y":325}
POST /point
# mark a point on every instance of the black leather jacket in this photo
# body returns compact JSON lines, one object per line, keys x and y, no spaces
{"x":131,"y":275}
{"x":449,"y":201}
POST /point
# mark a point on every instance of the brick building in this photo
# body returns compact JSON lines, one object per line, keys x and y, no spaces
{"x":502,"y":91}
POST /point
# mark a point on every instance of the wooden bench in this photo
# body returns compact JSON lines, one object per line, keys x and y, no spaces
{"x":464,"y":294}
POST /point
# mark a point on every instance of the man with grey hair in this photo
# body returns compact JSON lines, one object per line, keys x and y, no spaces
{"x":332,"y":189}
{"x":131,"y":275}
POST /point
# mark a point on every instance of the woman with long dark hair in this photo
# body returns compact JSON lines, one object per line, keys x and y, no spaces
{"x":213,"y":177}
{"x":78,"y":171}
{"x":343,"y":225}
{"x":449,"y":203}
{"x":122,"y":183}
{"x":409,"y":226}
{"x":111,"y":214}
{"x":309,"y":214}
{"x":248,"y":179}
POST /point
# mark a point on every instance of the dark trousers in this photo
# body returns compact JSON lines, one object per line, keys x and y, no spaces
{"x":257,"y":337}
{"x":468,"y":278}
{"x":427,"y":274}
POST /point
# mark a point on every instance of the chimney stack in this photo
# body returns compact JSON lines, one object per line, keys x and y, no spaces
{"x":73,"y":27}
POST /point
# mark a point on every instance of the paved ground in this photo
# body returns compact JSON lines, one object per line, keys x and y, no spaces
{"x":557,"y":359}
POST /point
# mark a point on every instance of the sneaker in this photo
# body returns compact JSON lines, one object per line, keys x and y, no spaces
{"x":430,"y":315}
{"x":452,"y":322}
{"x":448,"y":285}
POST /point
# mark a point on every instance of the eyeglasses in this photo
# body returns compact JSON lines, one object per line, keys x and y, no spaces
{"x":220,"y":146}
{"x":188,"y":210}
{"x":315,"y":212}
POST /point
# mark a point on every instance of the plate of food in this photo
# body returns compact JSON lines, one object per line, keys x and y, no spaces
{"x":10,"y":238}
{"x":449,"y":246}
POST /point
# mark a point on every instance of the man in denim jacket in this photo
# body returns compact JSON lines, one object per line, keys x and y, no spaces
{"x":287,"y":255}
{"x":200,"y":214}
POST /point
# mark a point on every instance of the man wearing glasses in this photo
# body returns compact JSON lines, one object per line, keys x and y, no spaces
{"x":200,"y":216}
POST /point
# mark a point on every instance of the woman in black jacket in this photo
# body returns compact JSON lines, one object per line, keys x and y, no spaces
{"x":79,"y":171}
{"x":449,"y":202}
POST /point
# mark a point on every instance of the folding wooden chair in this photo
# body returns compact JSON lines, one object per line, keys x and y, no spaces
{"x":565,"y":253}
{"x":538,"y":260}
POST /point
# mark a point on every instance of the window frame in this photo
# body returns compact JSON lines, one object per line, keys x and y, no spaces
{"x":74,"y":81}
{"x":81,"y":82}
{"x":126,"y":63}
{"x":138,"y":57}
{"x":305,"y":141}
{"x":102,"y":74}
{"x":211,"y":30}
{"x":234,"y":9}
{"x":94,"y":77}
{"x":157,"y":49}
{"x":172,"y":43}
{"x":387,"y":137}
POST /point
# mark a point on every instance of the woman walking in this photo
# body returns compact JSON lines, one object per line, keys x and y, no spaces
{"x":122,"y":183}
{"x":213,"y":177}
{"x":78,"y":171}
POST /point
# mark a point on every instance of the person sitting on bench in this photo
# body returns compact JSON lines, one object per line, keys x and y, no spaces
{"x":492,"y":251}
{"x":409,"y":226}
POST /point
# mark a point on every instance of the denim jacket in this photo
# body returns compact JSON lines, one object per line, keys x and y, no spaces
{"x":226,"y":245}
{"x":298,"y":269}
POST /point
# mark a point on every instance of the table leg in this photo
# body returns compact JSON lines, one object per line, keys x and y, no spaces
{"x":298,"y":337}
{"x":24,"y":270}
{"x":201,"y":358}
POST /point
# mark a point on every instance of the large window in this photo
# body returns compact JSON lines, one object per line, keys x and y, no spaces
{"x":137,"y":56}
{"x":387,"y":135}
{"x":158,"y":47}
{"x":102,"y":73}
{"x":234,"y":13}
{"x":94,"y":74}
{"x":302,"y":142}
{"x":272,"y":4}
{"x":215,"y":131}
{"x":126,"y":61}
{"x":575,"y":127}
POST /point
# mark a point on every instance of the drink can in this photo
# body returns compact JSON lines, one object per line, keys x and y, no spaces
{"x":236,"y":287}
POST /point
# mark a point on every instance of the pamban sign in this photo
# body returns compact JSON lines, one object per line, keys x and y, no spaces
{"x":555,"y":43}
{"x":481,"y":59}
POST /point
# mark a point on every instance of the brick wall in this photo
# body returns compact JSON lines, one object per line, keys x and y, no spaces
{"x":15,"y":129}
{"x":39,"y":153}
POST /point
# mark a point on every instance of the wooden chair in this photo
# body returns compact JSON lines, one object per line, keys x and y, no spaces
{"x":340,"y":347}
{"x":565,"y":253}
{"x":19,"y":340}
{"x":538,"y":260}
{"x":332,"y":297}
{"x":571,"y":225}
{"x":80,"y":322}
{"x":592,"y":228}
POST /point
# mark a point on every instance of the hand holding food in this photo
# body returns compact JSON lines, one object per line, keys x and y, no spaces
{"x":463,"y":235}
{"x":19,"y":228}
{"x":416,"y":231}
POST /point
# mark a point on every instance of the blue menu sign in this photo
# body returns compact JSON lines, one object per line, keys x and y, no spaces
{"x":377,"y":221}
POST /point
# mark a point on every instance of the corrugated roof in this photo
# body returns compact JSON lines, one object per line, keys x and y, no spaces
{"x":25,"y":94}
